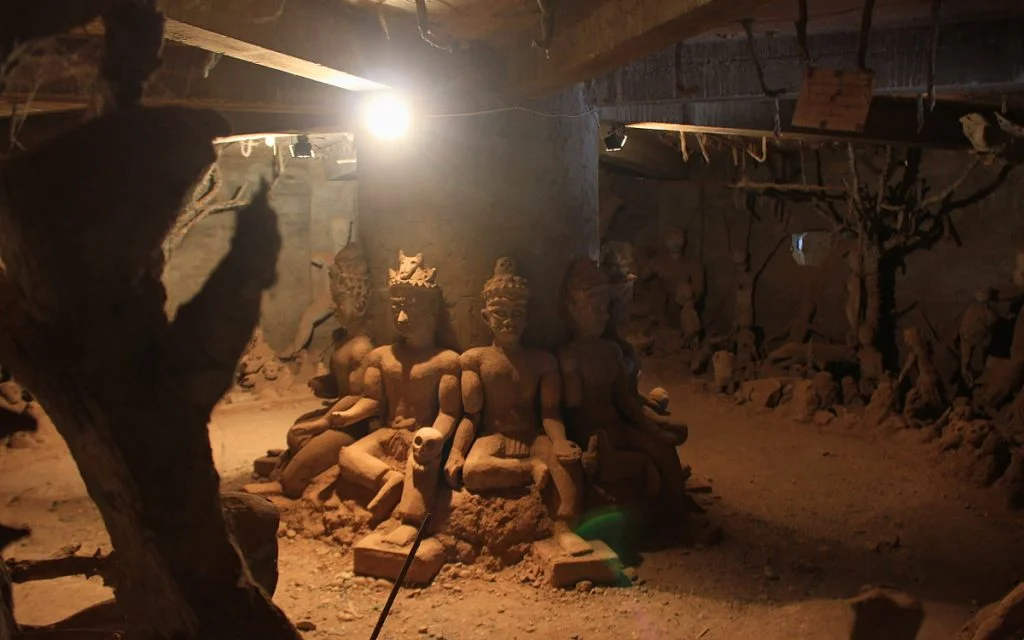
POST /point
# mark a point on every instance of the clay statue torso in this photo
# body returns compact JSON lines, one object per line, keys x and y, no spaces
{"x":510,"y":382}
{"x":348,"y":363}
{"x":976,"y":324}
{"x":410,"y":380}
{"x":600,"y":365}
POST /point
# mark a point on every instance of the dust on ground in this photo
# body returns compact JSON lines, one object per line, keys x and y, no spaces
{"x":810,"y":514}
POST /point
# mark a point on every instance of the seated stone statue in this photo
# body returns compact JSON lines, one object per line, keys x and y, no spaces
{"x":603,"y":407}
{"x":315,"y":440}
{"x":411,"y":384}
{"x":512,"y":394}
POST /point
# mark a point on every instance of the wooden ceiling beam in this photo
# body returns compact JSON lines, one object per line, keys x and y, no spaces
{"x":321,"y":40}
{"x":614,"y":33}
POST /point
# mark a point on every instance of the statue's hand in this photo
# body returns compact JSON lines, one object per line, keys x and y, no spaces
{"x":567,"y":451}
{"x":453,"y":469}
{"x":340,"y":419}
{"x":591,"y":457}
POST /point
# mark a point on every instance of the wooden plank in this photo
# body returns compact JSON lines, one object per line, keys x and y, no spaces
{"x":614,"y":33}
{"x":198,"y":37}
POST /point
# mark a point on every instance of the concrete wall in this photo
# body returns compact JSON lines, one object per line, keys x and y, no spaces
{"x":465,"y":191}
{"x":313,"y":216}
{"x":941,"y":280}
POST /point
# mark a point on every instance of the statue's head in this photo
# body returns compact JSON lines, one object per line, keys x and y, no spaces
{"x":913,"y":337}
{"x":350,"y":284}
{"x":415,"y":298}
{"x":865,"y":336}
{"x":675,"y":240}
{"x":587,"y":299}
{"x":506,"y":296}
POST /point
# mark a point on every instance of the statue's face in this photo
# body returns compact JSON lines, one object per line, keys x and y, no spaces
{"x":589,"y":315}
{"x":351,"y":299}
{"x":675,"y":241}
{"x":414,"y":316}
{"x":505,"y":318}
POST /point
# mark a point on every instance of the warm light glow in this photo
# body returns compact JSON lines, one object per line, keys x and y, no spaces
{"x":387,"y":117}
{"x":270,"y":141}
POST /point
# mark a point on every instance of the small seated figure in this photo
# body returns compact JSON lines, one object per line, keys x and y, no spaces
{"x":315,"y":440}
{"x":512,"y":394}
{"x":975,"y":335}
{"x":926,"y":396}
{"x":872,"y":365}
{"x":672,"y":268}
{"x":689,"y":319}
{"x":411,"y":384}
{"x":603,"y":408}
{"x":259,"y":369}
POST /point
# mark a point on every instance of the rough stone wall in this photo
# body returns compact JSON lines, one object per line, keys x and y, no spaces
{"x":941,"y":280}
{"x":314,"y":216}
{"x":467,"y":190}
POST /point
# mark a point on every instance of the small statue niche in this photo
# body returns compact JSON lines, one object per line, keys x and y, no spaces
{"x":975,"y":335}
{"x":315,"y":440}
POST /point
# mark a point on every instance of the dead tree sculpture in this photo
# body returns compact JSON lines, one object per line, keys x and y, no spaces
{"x":202,"y":204}
{"x":891,"y":212}
{"x":84,"y":325}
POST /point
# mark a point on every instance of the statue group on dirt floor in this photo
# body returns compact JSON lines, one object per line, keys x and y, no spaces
{"x":413,"y":423}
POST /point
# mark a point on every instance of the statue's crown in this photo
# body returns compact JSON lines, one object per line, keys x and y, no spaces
{"x":506,"y":282}
{"x":412,"y":275}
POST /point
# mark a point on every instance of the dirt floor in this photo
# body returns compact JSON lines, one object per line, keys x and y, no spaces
{"x":810,"y":514}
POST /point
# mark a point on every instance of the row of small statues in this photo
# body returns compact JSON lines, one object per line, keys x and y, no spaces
{"x":514,"y":415}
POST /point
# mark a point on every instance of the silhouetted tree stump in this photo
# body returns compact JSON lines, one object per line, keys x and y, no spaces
{"x":82,"y":324}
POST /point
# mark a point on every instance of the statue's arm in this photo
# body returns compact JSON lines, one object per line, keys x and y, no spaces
{"x":449,"y":401}
{"x":907,"y":367}
{"x":365,"y":406}
{"x":551,"y":401}
{"x":572,"y":382}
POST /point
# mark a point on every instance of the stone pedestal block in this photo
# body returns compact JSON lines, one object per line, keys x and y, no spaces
{"x":601,"y":566}
{"x":375,"y":558}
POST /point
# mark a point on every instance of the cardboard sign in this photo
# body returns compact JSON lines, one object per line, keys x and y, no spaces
{"x":834,"y":100}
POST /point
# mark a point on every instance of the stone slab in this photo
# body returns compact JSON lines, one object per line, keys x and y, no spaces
{"x":374,"y":558}
{"x":265,"y":465}
{"x":563,"y":570}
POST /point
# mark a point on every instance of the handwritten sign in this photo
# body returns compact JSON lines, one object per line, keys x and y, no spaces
{"x":834,"y":100}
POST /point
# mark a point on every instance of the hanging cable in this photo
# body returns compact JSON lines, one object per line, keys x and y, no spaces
{"x":748,"y":27}
{"x":801,"y":32}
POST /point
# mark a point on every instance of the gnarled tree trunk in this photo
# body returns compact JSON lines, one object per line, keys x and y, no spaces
{"x":82,"y":220}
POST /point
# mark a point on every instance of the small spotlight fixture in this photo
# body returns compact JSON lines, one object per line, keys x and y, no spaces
{"x":387,"y":117}
{"x":302,"y":148}
{"x":616,"y":139}
{"x":270,"y":141}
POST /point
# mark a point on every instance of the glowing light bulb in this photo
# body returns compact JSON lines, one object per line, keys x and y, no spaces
{"x":387,"y":117}
{"x":270,"y":141}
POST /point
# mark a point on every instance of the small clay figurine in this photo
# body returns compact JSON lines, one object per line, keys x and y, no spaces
{"x":689,"y":319}
{"x":671,"y":267}
{"x":975,"y":335}
{"x":872,"y":366}
{"x":259,"y":371}
{"x":512,"y":394}
{"x":926,"y":394}
{"x":412,"y":383}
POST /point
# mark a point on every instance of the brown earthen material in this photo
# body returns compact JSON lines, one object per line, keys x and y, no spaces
{"x":412,"y":384}
{"x":512,"y":397}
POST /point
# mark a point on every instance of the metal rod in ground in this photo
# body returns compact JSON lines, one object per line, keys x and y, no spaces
{"x":401,"y":578}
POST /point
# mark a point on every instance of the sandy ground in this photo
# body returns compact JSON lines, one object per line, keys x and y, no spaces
{"x":810,"y":515}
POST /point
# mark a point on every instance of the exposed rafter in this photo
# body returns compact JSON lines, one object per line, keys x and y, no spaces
{"x":614,"y":33}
